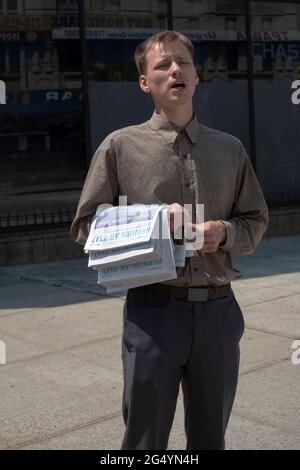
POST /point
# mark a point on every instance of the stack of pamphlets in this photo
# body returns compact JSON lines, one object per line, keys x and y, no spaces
{"x":131,"y":246}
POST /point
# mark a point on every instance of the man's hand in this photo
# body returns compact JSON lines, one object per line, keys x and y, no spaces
{"x":178,"y":216}
{"x":214,"y":232}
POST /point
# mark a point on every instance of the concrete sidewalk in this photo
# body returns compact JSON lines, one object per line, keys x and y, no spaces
{"x":62,"y":385}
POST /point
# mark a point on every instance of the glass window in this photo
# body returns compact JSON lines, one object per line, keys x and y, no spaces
{"x":8,"y":6}
{"x":12,"y":5}
{"x":276,"y":58}
{"x":42,"y":147}
{"x":67,"y":5}
{"x":111,"y":5}
{"x":40,"y":5}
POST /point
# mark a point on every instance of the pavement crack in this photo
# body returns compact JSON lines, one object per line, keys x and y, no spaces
{"x":265,"y":366}
{"x":272,"y":333}
{"x":45,"y":354}
{"x":270,"y":300}
{"x":76,"y":427}
{"x":264,"y":422}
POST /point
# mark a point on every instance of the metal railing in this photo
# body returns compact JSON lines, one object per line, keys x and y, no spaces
{"x":36,"y":219}
{"x":283,"y":198}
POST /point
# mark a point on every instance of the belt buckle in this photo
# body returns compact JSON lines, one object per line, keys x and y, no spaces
{"x":197,"y":295}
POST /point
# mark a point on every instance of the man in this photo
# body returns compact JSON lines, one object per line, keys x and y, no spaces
{"x":185,"y":330}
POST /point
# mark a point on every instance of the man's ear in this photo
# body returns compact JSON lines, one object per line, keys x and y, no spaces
{"x":144,"y":83}
{"x":197,"y":79}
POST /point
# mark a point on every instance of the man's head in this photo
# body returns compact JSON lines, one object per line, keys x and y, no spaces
{"x":166,"y":68}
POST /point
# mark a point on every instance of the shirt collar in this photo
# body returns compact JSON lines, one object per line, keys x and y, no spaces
{"x":171,"y":131}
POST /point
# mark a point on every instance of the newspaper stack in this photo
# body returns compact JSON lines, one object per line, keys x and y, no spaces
{"x":131,"y":246}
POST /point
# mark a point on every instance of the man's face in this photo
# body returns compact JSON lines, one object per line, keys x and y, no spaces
{"x":170,"y":74}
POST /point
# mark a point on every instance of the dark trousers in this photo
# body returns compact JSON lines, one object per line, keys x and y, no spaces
{"x":167,"y":342}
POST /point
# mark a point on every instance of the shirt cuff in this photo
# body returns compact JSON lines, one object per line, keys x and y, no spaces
{"x":229,"y":243}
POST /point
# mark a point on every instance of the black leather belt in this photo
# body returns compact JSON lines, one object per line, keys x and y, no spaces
{"x":192,"y":294}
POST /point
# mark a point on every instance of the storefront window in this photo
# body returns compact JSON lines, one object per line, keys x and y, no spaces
{"x":276,"y":55}
{"x":41,"y":126}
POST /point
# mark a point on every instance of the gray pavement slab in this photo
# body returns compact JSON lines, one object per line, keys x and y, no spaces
{"x":259,"y":290}
{"x":279,"y":316}
{"x":18,"y":350}
{"x":105,"y":435}
{"x":60,"y":327}
{"x":247,"y":434}
{"x":105,"y":352}
{"x":270,"y":396}
{"x":260,"y":349}
{"x":52,"y":394}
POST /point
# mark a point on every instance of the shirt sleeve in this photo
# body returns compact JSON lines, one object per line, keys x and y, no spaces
{"x":249,"y":217}
{"x":100,"y":187}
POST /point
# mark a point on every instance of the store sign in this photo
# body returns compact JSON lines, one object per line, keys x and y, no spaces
{"x":276,"y":50}
{"x":2,"y":92}
{"x":9,"y":36}
{"x":23,"y":23}
{"x":241,"y":35}
{"x":103,"y":22}
{"x":269,"y":35}
{"x":49,"y":22}
{"x":30,"y":36}
{"x":195,"y":36}
{"x":36,"y":97}
{"x":63,"y":96}
{"x":97,"y":33}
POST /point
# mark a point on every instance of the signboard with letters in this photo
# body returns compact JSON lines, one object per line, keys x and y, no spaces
{"x":49,"y":22}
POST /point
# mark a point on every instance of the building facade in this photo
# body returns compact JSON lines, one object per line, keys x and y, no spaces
{"x":71,"y":79}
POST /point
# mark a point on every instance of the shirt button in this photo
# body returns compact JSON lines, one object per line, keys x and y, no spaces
{"x":187,"y":185}
{"x":185,"y":156}
{"x":195,"y":270}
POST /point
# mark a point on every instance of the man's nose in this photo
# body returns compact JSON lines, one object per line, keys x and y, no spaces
{"x":175,"y":68}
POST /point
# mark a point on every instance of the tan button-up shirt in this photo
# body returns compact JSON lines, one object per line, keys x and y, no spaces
{"x":159,"y":162}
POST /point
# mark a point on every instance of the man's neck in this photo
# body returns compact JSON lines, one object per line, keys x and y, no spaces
{"x":179,"y":117}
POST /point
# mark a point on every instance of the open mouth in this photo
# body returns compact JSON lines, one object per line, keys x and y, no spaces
{"x":177,"y":86}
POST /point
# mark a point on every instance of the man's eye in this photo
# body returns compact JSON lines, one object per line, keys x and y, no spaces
{"x":166,"y":64}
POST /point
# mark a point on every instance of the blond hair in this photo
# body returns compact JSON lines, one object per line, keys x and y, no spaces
{"x":159,"y":38}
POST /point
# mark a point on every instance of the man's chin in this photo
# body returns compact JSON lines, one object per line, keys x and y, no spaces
{"x":177,"y":99}
{"x":171,"y":102}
